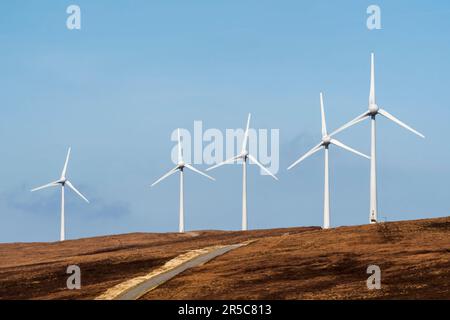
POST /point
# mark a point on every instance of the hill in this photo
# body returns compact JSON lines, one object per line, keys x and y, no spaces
{"x":291,"y":263}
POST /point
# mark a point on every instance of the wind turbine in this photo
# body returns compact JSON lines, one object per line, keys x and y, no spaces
{"x":180,"y":168}
{"x":327,"y":140}
{"x":62,"y":182}
{"x":371,"y":113}
{"x":244,"y":156}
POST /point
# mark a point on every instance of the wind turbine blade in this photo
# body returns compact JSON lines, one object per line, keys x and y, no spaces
{"x":358,"y":119}
{"x":306,"y":155}
{"x":63,"y":173}
{"x":199,"y":172}
{"x":372,"y":79}
{"x":343,"y":146}
{"x":244,"y":143}
{"x":76,"y":191}
{"x":168,"y":174}
{"x":261,"y":166}
{"x":224,"y":162}
{"x":180,"y":151}
{"x":322,"y":112}
{"x":394,"y":119}
{"x":51,"y":184}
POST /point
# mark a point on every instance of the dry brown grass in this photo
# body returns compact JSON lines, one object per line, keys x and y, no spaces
{"x":295,"y":263}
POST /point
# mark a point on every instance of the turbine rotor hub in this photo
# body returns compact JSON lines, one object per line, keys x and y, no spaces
{"x":181,"y":164}
{"x":326,"y":140}
{"x":373,"y":108}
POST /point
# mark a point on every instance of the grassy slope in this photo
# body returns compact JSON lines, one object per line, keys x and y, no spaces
{"x":414,"y":258}
{"x":294,"y":263}
{"x":38,"y":270}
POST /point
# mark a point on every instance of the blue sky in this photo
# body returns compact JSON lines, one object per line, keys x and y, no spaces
{"x":116,"y":89}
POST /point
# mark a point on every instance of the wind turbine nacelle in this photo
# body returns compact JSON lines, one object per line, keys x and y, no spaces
{"x":181,"y":164}
{"x":373,"y":108}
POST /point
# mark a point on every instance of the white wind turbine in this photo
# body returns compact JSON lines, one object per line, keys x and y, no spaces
{"x":371,"y":113}
{"x":244,"y":156}
{"x":325,"y":144}
{"x":63,"y":182}
{"x":180,"y":167}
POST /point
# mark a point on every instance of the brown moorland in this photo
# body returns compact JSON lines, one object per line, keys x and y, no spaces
{"x":38,"y":270}
{"x":292,"y":263}
{"x":414,"y":257}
